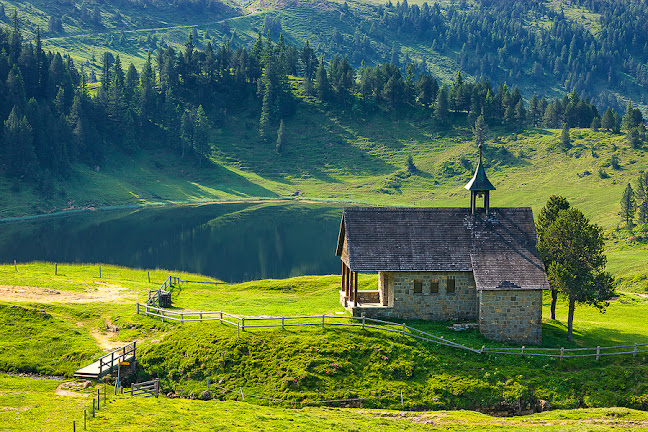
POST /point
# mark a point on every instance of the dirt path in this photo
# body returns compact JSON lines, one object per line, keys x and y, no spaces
{"x":105,"y":339}
{"x":74,"y":388}
{"x":105,"y":293}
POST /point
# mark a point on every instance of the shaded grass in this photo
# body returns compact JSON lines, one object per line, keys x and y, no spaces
{"x":310,"y":365}
{"x":28,"y":404}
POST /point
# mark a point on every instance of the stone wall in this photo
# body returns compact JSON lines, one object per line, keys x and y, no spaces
{"x":404,"y":303}
{"x":511,"y":316}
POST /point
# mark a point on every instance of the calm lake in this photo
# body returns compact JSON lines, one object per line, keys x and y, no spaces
{"x":232,"y":242}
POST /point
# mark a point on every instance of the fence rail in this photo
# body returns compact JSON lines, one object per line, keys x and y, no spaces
{"x":117,"y":356}
{"x":165,"y":288}
{"x":243,"y":322}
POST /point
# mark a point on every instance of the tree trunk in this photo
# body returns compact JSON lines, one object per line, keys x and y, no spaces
{"x":570,"y":319}
{"x":554,"y":299}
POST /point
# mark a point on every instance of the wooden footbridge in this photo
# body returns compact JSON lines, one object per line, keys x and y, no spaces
{"x":109,"y":362}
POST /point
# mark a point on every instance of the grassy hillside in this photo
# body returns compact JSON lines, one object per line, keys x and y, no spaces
{"x":53,"y":328}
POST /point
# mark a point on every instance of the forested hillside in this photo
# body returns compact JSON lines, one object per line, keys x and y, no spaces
{"x":599,"y":48}
{"x":267,"y":113}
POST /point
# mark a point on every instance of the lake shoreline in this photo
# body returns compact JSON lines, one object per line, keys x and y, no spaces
{"x":256,"y":200}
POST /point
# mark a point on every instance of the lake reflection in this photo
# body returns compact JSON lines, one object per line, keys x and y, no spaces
{"x":232,"y":242}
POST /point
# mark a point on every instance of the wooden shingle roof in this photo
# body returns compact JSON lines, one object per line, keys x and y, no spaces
{"x":499,"y":248}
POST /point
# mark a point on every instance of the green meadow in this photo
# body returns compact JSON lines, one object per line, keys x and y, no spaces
{"x":285,"y":375}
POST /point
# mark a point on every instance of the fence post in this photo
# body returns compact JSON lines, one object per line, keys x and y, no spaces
{"x":73,"y":425}
{"x":402,"y":397}
{"x":562,"y":352}
{"x":15,"y":266}
{"x":99,"y":272}
{"x":598,"y":352}
{"x":181,"y":318}
{"x":157,"y":388}
{"x":363,"y":320}
{"x":242,"y":324}
{"x":522,"y":350}
{"x":149,"y":276}
{"x":93,"y":407}
{"x":162,"y":312}
{"x":200,"y":316}
{"x":137,"y":308}
{"x":104,"y":392}
{"x":221,"y":317}
{"x":98,"y":397}
{"x":403,"y":331}
{"x":55,"y":269}
{"x":481,"y":351}
{"x":242,"y":396}
{"x":85,"y":415}
{"x":131,"y":389}
{"x":634,"y":353}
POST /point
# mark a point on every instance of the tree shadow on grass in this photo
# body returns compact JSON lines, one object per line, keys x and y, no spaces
{"x":554,"y":334}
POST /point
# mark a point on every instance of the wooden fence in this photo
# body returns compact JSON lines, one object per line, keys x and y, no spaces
{"x":115,"y":357}
{"x":165,"y":289}
{"x":249,"y":322}
{"x":145,"y":389}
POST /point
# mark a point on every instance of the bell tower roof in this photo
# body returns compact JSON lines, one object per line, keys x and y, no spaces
{"x":480,"y":182}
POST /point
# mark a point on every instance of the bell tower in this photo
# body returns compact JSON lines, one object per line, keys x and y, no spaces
{"x":479,"y":186}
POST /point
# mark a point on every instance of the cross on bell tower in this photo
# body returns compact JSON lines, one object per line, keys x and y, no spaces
{"x":479,"y":186}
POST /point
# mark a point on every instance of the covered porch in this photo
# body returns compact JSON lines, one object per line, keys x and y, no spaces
{"x":355,"y":300}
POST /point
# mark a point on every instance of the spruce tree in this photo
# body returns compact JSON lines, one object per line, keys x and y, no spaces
{"x":480,"y":130}
{"x":607,"y":121}
{"x":565,"y":139}
{"x":322,"y":85}
{"x":18,"y":140}
{"x":186,"y":131}
{"x":201,"y":134}
{"x":441,"y":107}
{"x":280,"y":137}
{"x":628,"y":207}
{"x":642,"y":196}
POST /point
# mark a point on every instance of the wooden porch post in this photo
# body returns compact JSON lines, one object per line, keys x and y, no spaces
{"x":348,"y":283}
{"x":343,"y":275}
{"x":355,"y":294}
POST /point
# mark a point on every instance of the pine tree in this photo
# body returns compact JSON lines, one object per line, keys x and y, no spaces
{"x":616,"y":128}
{"x":628,"y":207}
{"x":480,"y":130}
{"x":147,"y":94}
{"x":596,"y":123}
{"x":520,"y":113}
{"x":533,"y":111}
{"x":186,"y":131}
{"x":322,"y":85}
{"x":427,"y":88}
{"x":548,"y":215}
{"x":575,"y":250}
{"x":201,"y":134}
{"x":642,"y":196}
{"x":565,"y":139}
{"x":441,"y":107}
{"x":280,"y":137}
{"x":18,"y":141}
